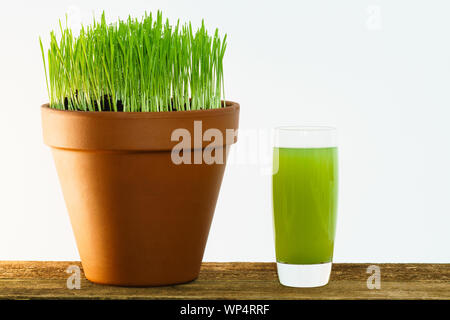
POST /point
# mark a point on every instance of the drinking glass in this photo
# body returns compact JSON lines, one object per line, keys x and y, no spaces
{"x":305,"y":190}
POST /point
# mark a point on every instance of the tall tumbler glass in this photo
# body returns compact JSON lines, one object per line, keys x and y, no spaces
{"x":305,"y":190}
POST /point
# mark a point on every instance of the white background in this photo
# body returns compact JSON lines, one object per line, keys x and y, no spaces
{"x":378,"y":70}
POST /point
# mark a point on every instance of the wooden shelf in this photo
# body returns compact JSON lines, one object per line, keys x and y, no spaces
{"x":47,"y":280}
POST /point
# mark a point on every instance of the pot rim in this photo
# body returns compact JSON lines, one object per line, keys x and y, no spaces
{"x":231,"y":107}
{"x":135,"y":131}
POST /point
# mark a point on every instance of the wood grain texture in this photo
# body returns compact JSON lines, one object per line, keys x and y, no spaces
{"x":47,"y":280}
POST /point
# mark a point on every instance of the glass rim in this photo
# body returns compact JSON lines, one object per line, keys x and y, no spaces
{"x":305,"y":137}
{"x":305,"y":128}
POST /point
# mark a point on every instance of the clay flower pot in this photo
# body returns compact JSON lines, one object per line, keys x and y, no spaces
{"x":139,"y":219}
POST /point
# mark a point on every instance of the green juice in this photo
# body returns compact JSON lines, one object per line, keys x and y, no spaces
{"x":305,"y":204}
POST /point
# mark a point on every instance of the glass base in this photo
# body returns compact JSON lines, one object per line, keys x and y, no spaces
{"x":304,"y":275}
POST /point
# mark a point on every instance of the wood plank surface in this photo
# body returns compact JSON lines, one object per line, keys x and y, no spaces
{"x":236,"y":280}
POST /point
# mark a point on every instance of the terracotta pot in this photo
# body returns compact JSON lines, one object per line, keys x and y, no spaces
{"x":138,"y":218}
